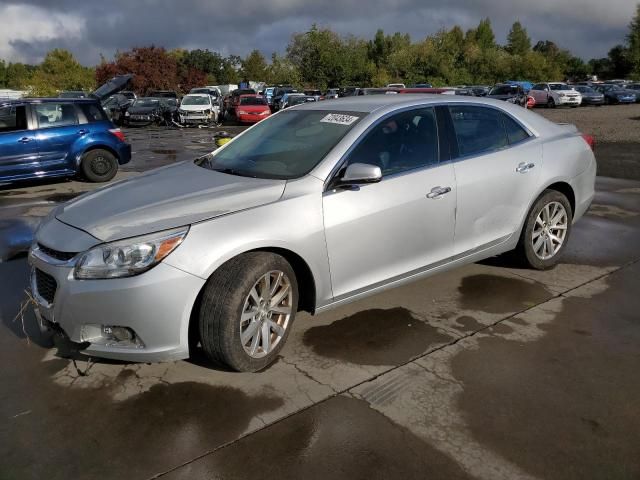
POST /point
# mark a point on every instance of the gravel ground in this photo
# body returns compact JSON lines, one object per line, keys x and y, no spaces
{"x":615,"y":123}
{"x":617,"y":132}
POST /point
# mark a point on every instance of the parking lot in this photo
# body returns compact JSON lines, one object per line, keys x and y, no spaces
{"x":489,"y":371}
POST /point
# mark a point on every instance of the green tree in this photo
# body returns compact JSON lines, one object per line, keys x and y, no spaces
{"x":18,"y":75}
{"x":282,"y":71}
{"x":518,"y":41}
{"x":61,"y":71}
{"x":254,"y":66}
{"x":211,"y":63}
{"x":484,"y":35}
{"x":577,"y":69}
{"x":633,"y":43}
{"x":3,"y":74}
{"x":620,"y":61}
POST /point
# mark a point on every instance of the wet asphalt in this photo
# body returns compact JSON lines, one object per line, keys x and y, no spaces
{"x":489,"y":371}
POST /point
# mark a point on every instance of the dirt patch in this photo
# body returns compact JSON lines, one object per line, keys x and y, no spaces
{"x":374,"y":337}
{"x":495,"y":294}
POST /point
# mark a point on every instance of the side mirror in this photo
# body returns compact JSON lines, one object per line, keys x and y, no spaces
{"x":359,"y":173}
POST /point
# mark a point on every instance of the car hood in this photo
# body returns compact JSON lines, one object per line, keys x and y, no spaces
{"x":503,"y":97}
{"x":115,"y":85}
{"x":169,"y":197}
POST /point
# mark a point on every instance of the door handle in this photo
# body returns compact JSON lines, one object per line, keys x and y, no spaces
{"x":25,"y":139}
{"x":524,"y":167}
{"x":437,"y":192}
{"x":83,"y":132}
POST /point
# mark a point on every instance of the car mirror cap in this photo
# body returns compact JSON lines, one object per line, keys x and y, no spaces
{"x":359,"y":173}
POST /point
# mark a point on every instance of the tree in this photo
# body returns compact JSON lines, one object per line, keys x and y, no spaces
{"x":484,"y":35}
{"x":577,"y":69}
{"x":620,"y":62}
{"x":546,"y":47}
{"x":211,"y":63}
{"x":3,"y":74}
{"x":282,"y":71}
{"x":61,"y":71}
{"x":152,"y":67}
{"x":518,"y":41}
{"x":633,"y":43}
{"x":18,"y":75}
{"x":254,"y":66}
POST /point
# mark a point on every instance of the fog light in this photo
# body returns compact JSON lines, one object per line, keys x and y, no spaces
{"x":111,"y":336}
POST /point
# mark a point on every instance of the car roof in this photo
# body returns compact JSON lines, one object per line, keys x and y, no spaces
{"x":50,"y":100}
{"x":197,"y":94}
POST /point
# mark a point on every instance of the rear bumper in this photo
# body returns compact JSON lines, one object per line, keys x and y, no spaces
{"x":124,"y":152}
{"x":584,"y":189}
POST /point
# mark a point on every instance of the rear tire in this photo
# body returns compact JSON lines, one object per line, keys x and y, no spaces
{"x":239,"y":304}
{"x":551,"y":103}
{"x":545,"y":235}
{"x":99,"y":165}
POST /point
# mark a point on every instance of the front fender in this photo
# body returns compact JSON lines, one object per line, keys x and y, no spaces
{"x":293,"y":224}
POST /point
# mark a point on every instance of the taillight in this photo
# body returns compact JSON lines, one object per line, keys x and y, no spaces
{"x":116,"y":132}
{"x":590,"y":139}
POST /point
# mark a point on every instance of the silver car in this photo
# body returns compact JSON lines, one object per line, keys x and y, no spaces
{"x":316,"y":206}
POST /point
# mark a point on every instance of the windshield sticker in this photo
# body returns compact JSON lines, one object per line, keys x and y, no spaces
{"x":339,"y":118}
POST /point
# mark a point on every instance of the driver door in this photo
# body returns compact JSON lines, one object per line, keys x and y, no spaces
{"x":377,"y":233}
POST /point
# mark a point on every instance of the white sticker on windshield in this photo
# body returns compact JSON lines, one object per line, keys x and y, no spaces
{"x":339,"y":118}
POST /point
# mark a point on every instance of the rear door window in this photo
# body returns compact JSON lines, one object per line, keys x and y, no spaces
{"x":478,"y":129}
{"x":55,"y":114}
{"x":13,"y":118}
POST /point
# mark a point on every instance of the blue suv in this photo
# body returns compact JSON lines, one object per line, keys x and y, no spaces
{"x":61,"y":137}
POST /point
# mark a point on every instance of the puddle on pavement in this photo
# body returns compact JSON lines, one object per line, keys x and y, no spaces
{"x":468,"y":324}
{"x":495,"y":294}
{"x":374,"y":337}
{"x":564,"y":406}
{"x":62,"y":197}
{"x":344,"y":436}
{"x":165,"y":151}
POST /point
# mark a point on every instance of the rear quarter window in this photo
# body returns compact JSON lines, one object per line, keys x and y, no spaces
{"x":93,"y":113}
{"x":515,"y":132}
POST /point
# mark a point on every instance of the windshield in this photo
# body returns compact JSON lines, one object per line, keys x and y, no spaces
{"x":504,"y":90}
{"x":146,"y":102}
{"x":559,"y":86}
{"x":285,"y":146}
{"x":253,"y":101}
{"x":195,"y":100}
{"x":585,"y":90}
{"x":299,"y":100}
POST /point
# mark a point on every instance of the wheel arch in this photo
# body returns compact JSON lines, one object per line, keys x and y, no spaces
{"x":96,"y":146}
{"x":304,"y":277}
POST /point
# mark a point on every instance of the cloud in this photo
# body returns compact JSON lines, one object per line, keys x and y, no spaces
{"x":588,"y":28}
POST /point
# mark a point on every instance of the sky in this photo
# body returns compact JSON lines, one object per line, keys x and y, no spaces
{"x":91,"y":28}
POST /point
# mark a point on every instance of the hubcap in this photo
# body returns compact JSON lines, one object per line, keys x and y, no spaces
{"x":549,"y":231}
{"x":266,"y":314}
{"x":100,"y":165}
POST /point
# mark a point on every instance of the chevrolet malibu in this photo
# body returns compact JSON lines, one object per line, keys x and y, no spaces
{"x":316,"y":206}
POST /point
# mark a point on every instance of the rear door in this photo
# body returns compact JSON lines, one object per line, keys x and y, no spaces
{"x":58,"y":129}
{"x":18,"y":144}
{"x":497,"y":170}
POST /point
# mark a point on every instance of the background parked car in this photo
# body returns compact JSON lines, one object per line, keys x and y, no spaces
{"x":268,"y":95}
{"x":287,"y":97}
{"x":232,"y":100}
{"x":252,"y":109}
{"x":59,"y":137}
{"x":332,"y":94}
{"x":590,"y":96}
{"x":317,"y":94}
{"x":615,"y":94}
{"x":151,"y":110}
{"x":162,"y":94}
{"x":216,"y":96}
{"x":116,"y":106}
{"x":508,"y":93}
{"x":294,"y":100}
{"x":280,"y":92}
{"x":198,"y":108}
{"x":555,"y":94}
{"x":636,"y":88}
{"x":421,"y":85}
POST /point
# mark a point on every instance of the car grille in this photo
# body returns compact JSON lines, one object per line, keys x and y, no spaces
{"x":56,"y":254}
{"x":46,"y":285}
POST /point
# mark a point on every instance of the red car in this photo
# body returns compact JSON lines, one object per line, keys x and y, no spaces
{"x":252,"y":109}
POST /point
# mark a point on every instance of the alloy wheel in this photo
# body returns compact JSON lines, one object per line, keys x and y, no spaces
{"x":266,"y":313}
{"x":550,"y":230}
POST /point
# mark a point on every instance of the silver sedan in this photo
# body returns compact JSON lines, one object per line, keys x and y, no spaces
{"x":317,"y":206}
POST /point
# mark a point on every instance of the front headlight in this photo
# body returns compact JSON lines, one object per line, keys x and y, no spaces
{"x":207,"y":112}
{"x":126,"y":258}
{"x":126,"y":114}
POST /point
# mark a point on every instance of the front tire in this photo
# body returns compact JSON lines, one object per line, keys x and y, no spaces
{"x":551,"y":103}
{"x":99,"y":165}
{"x":546,"y":231}
{"x":247,"y":310}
